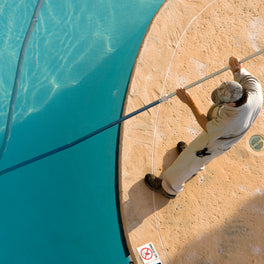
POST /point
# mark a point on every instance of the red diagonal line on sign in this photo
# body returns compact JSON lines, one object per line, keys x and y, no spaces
{"x":146,"y":253}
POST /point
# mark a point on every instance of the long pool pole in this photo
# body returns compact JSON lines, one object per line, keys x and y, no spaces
{"x":120,"y":120}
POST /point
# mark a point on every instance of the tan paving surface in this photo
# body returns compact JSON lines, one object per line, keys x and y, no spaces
{"x":219,"y":217}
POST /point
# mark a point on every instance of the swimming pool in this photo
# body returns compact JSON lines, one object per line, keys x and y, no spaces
{"x":62,"y":209}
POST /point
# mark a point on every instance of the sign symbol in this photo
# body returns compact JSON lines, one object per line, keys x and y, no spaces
{"x":146,"y":253}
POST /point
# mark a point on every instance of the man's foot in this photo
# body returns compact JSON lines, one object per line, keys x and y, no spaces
{"x":180,"y":147}
{"x":154,"y":183}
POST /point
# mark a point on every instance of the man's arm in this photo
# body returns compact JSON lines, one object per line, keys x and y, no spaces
{"x":186,"y":98}
{"x":246,"y":79}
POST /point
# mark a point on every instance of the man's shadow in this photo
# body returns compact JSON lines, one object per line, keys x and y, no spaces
{"x":169,"y":158}
{"x":141,"y":202}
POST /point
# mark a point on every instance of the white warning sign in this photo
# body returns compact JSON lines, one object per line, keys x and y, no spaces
{"x":148,"y":254}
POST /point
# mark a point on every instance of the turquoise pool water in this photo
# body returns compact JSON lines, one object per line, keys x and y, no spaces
{"x":63,"y":209}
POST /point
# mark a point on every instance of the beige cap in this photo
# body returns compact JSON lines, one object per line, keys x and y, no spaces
{"x":227,"y":92}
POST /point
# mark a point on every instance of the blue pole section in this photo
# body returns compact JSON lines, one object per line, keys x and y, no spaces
{"x":79,"y":140}
{"x":17,"y":78}
{"x":100,"y":130}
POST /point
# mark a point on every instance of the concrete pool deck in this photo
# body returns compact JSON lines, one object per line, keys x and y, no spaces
{"x":219,"y":216}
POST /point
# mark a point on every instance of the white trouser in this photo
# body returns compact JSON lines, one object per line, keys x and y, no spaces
{"x":187,"y":164}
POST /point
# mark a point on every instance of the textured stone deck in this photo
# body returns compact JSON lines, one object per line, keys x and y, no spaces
{"x":219,"y":216}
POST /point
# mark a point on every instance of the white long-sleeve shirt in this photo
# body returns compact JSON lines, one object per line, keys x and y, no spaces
{"x":228,"y":124}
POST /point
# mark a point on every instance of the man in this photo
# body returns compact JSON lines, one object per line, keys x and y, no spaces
{"x":236,"y":106}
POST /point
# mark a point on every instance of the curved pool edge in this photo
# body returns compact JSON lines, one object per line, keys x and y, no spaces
{"x":141,"y":227}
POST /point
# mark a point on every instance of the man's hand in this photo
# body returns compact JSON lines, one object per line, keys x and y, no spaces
{"x":184,"y":96}
{"x":234,"y":64}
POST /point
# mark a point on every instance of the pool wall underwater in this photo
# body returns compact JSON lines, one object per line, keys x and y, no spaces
{"x":62,"y":209}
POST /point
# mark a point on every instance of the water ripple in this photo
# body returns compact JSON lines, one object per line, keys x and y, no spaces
{"x":70,"y":39}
